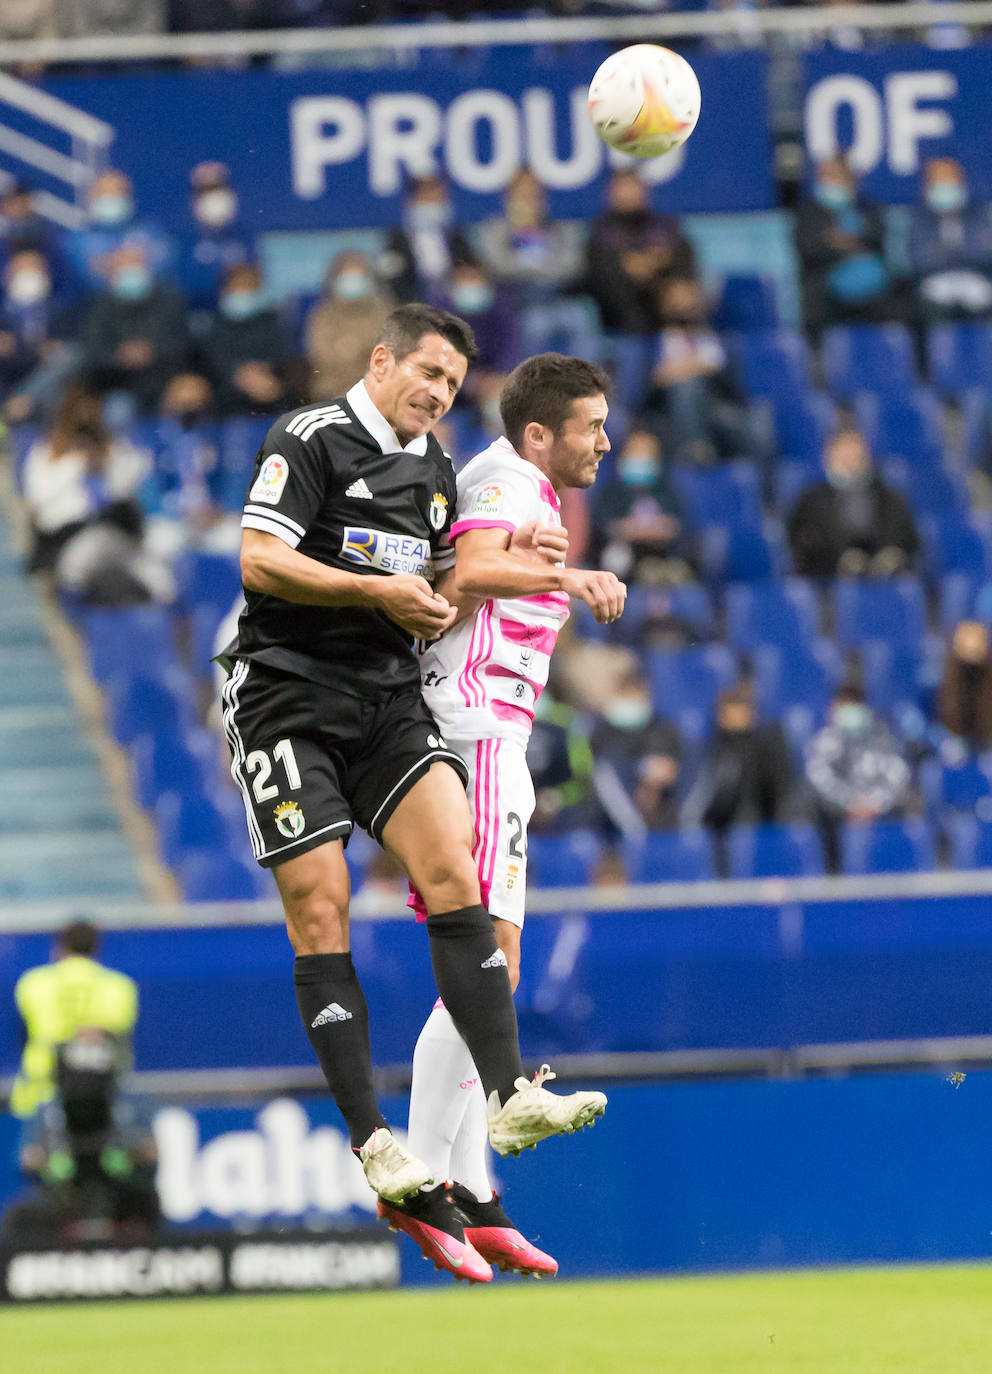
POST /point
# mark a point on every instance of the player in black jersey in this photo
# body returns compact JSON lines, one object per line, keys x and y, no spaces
{"x":323,"y":714}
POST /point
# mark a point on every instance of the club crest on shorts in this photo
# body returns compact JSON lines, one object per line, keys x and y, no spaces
{"x":290,"y":820}
{"x":438,"y":510}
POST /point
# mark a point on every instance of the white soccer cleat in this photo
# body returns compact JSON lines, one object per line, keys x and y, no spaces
{"x":532,"y":1114}
{"x":392,"y":1173}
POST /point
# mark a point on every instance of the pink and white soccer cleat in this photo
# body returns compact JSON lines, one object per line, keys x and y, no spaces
{"x":432,"y":1221}
{"x":496,"y":1238}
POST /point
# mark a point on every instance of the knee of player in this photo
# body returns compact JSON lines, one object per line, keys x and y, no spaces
{"x":454,"y":871}
{"x":318,"y":913}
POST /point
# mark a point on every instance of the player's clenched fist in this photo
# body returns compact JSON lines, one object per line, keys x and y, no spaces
{"x":414,"y":605}
{"x":602,"y":592}
{"x":546,"y":543}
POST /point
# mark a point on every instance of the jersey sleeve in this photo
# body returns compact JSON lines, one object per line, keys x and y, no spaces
{"x":494,"y":498}
{"x":442,"y":552}
{"x":287,"y":486}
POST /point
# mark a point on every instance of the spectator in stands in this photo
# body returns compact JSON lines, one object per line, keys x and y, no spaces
{"x":421,"y":254}
{"x":632,"y":250}
{"x":245,"y":351}
{"x":965,"y":702}
{"x":637,"y":758}
{"x":217,"y":240}
{"x":695,"y":401}
{"x":36,"y":353}
{"x":135,"y":336}
{"x":23,"y":229}
{"x":852,"y":524}
{"x":638,"y":526}
{"x":83,"y":18}
{"x":747,"y":776}
{"x":342,"y":328}
{"x":24,"y":19}
{"x":950,"y":248}
{"x":840,"y":239}
{"x":83,"y":492}
{"x":112,"y":223}
{"x":855,"y":770}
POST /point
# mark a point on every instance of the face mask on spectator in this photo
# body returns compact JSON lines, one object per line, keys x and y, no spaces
{"x":111,"y":209}
{"x":29,"y":287}
{"x":133,"y":283}
{"x":240,"y":305}
{"x":945,"y":197}
{"x":639,"y":469}
{"x":472,"y":297}
{"x":628,"y":713}
{"x":353,"y":286}
{"x":846,"y":480}
{"x":833,"y":195}
{"x":429,"y":215}
{"x":852,"y":717}
{"x":216,"y":208}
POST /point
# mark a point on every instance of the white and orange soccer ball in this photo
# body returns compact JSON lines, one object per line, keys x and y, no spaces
{"x":644,"y":100}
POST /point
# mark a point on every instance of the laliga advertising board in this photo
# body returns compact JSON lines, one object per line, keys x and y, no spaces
{"x":319,"y":150}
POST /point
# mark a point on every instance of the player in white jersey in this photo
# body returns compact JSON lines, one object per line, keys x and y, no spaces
{"x":481,"y":682}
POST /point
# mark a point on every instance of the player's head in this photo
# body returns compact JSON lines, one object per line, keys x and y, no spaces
{"x":78,"y":937}
{"x":554,"y":414}
{"x":417,"y":367}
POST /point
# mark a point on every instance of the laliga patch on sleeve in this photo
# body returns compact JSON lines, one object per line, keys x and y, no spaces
{"x":271,"y":480}
{"x":488,"y":500}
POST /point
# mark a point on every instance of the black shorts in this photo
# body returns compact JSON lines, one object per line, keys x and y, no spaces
{"x":311,"y":761}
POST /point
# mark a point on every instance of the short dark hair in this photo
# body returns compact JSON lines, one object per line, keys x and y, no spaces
{"x":79,"y":937}
{"x":849,"y":692}
{"x":543,"y":389}
{"x":403,"y":329}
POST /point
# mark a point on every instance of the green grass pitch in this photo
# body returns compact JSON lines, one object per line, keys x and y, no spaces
{"x":851,"y":1321}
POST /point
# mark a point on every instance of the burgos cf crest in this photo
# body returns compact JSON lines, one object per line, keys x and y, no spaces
{"x":438,"y":510}
{"x":290,"y":820}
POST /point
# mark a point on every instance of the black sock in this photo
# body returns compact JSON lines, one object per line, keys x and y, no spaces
{"x":336,"y":1019}
{"x":476,"y":991}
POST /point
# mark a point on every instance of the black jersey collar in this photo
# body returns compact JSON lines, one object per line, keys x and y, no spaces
{"x":379,"y":427}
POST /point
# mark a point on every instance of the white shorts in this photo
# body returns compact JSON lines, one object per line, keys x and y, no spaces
{"x":501,"y":798}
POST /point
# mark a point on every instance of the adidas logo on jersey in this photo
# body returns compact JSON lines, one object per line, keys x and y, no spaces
{"x":359,"y":489}
{"x":497,"y":960}
{"x":334,"y":1012}
{"x":309,"y":421}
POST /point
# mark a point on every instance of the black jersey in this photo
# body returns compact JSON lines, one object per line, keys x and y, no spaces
{"x":334,"y":482}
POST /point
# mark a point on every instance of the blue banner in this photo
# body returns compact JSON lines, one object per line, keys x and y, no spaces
{"x":893,"y":108}
{"x":333,"y":149}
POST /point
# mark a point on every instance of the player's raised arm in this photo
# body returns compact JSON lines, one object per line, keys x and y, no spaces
{"x":486,"y":566}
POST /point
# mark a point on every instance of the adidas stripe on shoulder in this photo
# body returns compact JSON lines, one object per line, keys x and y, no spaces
{"x":307,"y":422}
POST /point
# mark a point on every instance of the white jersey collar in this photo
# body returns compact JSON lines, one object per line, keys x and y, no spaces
{"x":378,"y":426}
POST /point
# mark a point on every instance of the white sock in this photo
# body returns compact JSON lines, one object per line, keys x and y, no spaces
{"x":470,"y":1152}
{"x":444,"y":1080}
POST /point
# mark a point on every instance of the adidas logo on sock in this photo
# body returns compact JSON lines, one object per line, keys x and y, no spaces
{"x":334,"y":1012}
{"x":497,"y":960}
{"x":359,"y":489}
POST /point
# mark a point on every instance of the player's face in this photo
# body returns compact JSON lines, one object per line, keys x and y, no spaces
{"x":416,"y":392}
{"x":581,"y":443}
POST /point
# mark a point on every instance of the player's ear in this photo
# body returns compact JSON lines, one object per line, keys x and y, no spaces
{"x":537,"y":435}
{"x":379,"y":360}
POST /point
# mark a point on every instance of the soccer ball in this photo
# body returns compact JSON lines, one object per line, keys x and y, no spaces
{"x":644,"y":100}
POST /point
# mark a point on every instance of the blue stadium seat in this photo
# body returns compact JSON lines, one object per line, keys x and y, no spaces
{"x":746,"y":301}
{"x":783,"y":613}
{"x":887,"y":847}
{"x":187,"y":821}
{"x":567,"y":860}
{"x":956,"y":543}
{"x":970,"y":841}
{"x":168,"y":763}
{"x":775,"y":851}
{"x":240,"y":439}
{"x":868,"y":357}
{"x":724,"y":495}
{"x":214,"y":876}
{"x":773,"y":365}
{"x":689,"y":678}
{"x":150,"y":703}
{"x":926,"y":486}
{"x":897,"y":673}
{"x":802,"y":429}
{"x":792,"y":478}
{"x":963,"y":596}
{"x":208,"y":579}
{"x":960,"y":357}
{"x":879,"y":610}
{"x":120,"y":638}
{"x":957,"y":782}
{"x":669,"y":856}
{"x":799,"y":675}
{"x":737,"y":553}
{"x":691,"y":602}
{"x":902,"y":425}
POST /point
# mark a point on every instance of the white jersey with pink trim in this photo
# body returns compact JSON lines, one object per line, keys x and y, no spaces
{"x":483,"y":679}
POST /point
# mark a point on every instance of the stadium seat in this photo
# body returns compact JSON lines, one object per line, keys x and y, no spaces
{"x":164,"y":763}
{"x":118,"y":639}
{"x":691,"y":603}
{"x":736,"y":553}
{"x":926,"y":487}
{"x":150,"y":703}
{"x":970,"y":841}
{"x":958,"y":782}
{"x":796,"y":675}
{"x":215,"y":876}
{"x":669,"y":856}
{"x":897,"y":673}
{"x":801,"y":430}
{"x":212,"y":579}
{"x":868,"y":357}
{"x":746,"y":301}
{"x":239,"y":441}
{"x":962,"y":596}
{"x":567,"y":860}
{"x":792,"y":478}
{"x":905,"y":425}
{"x":724,"y":495}
{"x":187,"y":821}
{"x":775,"y":851}
{"x":888,"y":847}
{"x":689,"y":678}
{"x":959,"y":357}
{"x":783,"y":613}
{"x":879,"y":610}
{"x":956,"y":543}
{"x":773,"y":365}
